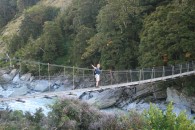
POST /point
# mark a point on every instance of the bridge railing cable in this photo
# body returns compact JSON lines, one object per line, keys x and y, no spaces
{"x":76,"y":78}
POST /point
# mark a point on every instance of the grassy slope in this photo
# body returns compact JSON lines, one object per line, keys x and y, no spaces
{"x":13,"y":26}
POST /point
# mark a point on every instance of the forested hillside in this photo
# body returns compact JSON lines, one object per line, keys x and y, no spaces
{"x":120,"y":34}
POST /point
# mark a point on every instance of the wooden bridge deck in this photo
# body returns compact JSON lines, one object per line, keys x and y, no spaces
{"x":73,"y":92}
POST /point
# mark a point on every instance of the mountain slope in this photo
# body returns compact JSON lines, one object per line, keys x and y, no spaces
{"x":13,"y":26}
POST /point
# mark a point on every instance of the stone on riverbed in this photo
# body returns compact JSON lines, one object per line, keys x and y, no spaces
{"x":26,"y":77}
{"x":16,"y":79}
{"x":106,"y":98}
{"x":20,"y":91}
{"x":41,"y":85}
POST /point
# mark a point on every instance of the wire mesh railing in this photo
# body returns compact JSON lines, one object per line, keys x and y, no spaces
{"x":84,"y":78}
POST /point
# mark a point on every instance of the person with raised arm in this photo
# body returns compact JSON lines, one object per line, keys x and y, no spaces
{"x":97,"y":74}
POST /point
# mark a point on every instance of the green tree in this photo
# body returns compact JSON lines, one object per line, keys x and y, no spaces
{"x":34,"y":19}
{"x":48,"y":47}
{"x":7,"y":11}
{"x":118,"y":26}
{"x":78,"y":25}
{"x":168,"y":31}
{"x":23,"y":4}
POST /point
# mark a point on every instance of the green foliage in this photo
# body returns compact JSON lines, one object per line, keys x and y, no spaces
{"x":168,"y":121}
{"x":14,"y":44}
{"x":16,"y":120}
{"x":35,"y":119}
{"x":79,"y":25}
{"x":16,"y":115}
{"x":76,"y":115}
{"x":72,"y":114}
{"x":118,"y":27}
{"x":7,"y":11}
{"x":46,"y":48}
{"x":119,"y":34}
{"x":23,"y":4}
{"x":34,"y":19}
{"x":168,"y":30}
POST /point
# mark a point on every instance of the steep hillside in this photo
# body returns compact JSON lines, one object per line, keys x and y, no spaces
{"x":13,"y":26}
{"x":57,"y":3}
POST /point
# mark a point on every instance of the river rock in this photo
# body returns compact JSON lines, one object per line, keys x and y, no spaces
{"x":191,"y":100}
{"x":106,"y":98}
{"x":58,"y":83}
{"x":41,"y":85}
{"x":13,"y":73}
{"x":20,"y":91}
{"x":32,"y":78}
{"x":160,"y":94}
{"x":88,"y":95}
{"x":16,"y":79}
{"x":6,"y":78}
{"x":2,"y":71}
{"x":26,"y":77}
{"x":178,"y":98}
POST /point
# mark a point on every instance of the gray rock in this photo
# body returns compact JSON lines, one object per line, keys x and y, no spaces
{"x":2,"y":71}
{"x":106,"y":98}
{"x":56,"y":87}
{"x":191,"y":100}
{"x":58,"y":83}
{"x":178,"y":98}
{"x":6,"y":78}
{"x":13,"y":73}
{"x":20,"y":91}
{"x":41,"y":85}
{"x":32,"y":78}
{"x":160,"y":94}
{"x":16,"y":79}
{"x":26,"y":77}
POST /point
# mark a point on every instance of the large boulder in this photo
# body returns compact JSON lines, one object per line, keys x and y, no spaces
{"x":176,"y":97}
{"x":13,"y":73}
{"x":145,"y":90}
{"x":106,"y":98}
{"x":8,"y":77}
{"x":26,"y":77}
{"x":16,"y":79}
{"x":23,"y":90}
{"x":41,"y":85}
{"x":5,"y":78}
{"x":180,"y":98}
{"x":2,"y":71}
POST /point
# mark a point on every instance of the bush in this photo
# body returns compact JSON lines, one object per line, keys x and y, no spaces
{"x":16,"y":120}
{"x":72,"y":114}
{"x":168,"y":121}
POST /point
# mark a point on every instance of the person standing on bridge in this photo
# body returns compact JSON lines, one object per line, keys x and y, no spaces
{"x":97,"y":74}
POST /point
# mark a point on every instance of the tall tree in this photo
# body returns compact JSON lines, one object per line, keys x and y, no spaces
{"x":79,"y":25}
{"x":118,"y":26}
{"x":168,"y":32}
{"x":48,"y":47}
{"x":7,"y":11}
{"x":34,"y":19}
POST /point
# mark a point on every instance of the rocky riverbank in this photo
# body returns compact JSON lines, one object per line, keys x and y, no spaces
{"x":136,"y":98}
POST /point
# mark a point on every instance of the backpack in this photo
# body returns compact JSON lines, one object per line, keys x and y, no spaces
{"x":94,"y":72}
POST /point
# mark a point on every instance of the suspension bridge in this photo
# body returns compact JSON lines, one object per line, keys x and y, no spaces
{"x":109,"y":79}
